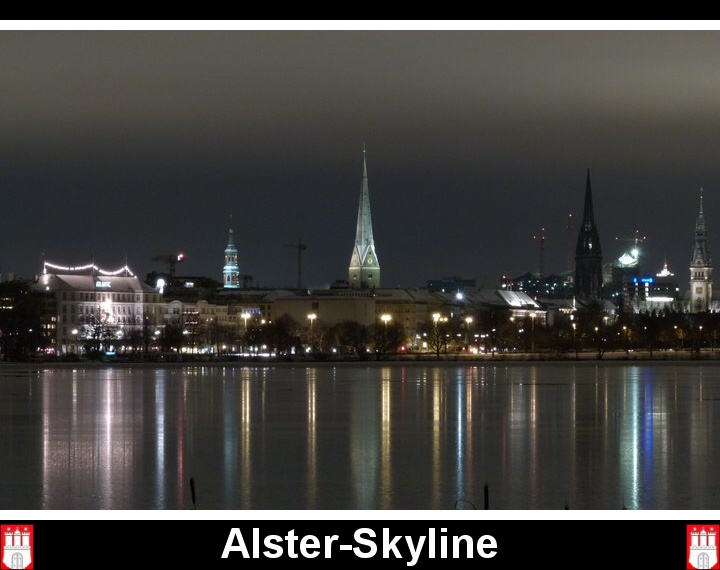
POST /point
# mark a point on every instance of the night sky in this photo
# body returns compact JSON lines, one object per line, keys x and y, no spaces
{"x":120,"y":145}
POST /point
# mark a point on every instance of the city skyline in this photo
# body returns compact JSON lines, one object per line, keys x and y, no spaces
{"x":126,"y":145}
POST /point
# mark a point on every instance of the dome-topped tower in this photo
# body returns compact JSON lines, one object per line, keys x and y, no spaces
{"x":231,"y":269}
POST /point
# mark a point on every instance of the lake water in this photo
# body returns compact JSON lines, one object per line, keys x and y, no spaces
{"x":523,"y":436}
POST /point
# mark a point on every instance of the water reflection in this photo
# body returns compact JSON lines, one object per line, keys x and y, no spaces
{"x":362,"y":437}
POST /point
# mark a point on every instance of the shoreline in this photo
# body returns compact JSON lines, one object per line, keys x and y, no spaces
{"x":588,"y":358}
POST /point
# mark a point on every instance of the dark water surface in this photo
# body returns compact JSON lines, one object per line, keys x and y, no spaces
{"x":362,"y":436}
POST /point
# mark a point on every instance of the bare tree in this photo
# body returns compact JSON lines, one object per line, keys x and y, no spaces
{"x":98,"y":332}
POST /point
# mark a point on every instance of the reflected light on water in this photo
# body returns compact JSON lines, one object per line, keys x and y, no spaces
{"x":365,"y":436}
{"x":311,"y":438}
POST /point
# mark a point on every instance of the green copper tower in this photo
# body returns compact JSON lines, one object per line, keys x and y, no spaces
{"x":231,"y":269}
{"x":364,"y":272}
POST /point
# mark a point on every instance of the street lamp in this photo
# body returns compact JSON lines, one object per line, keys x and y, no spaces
{"x":574,"y":326}
{"x":468,"y":322}
{"x":382,"y":344}
{"x":700,"y":339}
{"x":245,"y":316}
{"x":625,"y":332}
{"x":532,"y":332}
{"x":311,"y":317}
{"x":444,"y":320}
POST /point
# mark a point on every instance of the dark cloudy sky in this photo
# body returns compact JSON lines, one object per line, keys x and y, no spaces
{"x":131,"y":144}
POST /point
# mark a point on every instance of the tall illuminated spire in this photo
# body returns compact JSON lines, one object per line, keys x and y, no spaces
{"x":364,"y":271}
{"x":700,"y":266}
{"x":231,"y":269}
{"x":588,"y":253}
{"x":701,"y":250}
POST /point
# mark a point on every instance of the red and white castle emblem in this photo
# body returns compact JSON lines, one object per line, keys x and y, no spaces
{"x":702,"y":546}
{"x":17,"y":546}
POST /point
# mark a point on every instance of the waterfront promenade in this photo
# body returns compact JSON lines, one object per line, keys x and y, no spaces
{"x":587,"y":356}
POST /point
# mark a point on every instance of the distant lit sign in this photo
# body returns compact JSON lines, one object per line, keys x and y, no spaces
{"x":189,"y":284}
{"x":647,"y":280}
{"x":102,"y":284}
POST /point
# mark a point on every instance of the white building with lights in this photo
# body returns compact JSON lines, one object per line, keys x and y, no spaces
{"x":88,"y":296}
{"x":654,"y":293}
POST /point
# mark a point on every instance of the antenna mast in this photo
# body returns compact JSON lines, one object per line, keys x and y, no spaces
{"x":569,"y":246}
{"x":541,"y":240}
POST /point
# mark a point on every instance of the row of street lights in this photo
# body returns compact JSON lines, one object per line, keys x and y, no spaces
{"x":312,"y":317}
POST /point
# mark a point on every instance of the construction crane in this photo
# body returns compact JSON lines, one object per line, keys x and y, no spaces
{"x":541,"y":239}
{"x":246,"y":280}
{"x":636,"y":239}
{"x":300,"y":246}
{"x":569,"y":231}
{"x":170,"y":259}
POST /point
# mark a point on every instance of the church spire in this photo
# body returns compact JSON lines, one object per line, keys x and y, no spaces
{"x":701,"y":251}
{"x":700,"y":266}
{"x":588,"y":239}
{"x":364,"y":271}
{"x":588,"y":253}
{"x":231,"y":269}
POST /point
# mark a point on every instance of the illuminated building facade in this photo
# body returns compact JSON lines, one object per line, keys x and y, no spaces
{"x":700,"y":267}
{"x":364,"y":271}
{"x":542,"y":287}
{"x":654,"y":292}
{"x":94,"y":305}
{"x":588,"y":253}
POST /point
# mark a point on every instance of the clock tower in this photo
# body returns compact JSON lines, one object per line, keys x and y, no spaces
{"x":700,"y":267}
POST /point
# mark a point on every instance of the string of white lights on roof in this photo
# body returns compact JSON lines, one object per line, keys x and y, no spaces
{"x":91,"y":266}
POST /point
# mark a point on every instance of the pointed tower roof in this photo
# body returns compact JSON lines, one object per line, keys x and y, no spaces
{"x":364,"y":264}
{"x":701,"y":249}
{"x":588,"y":253}
{"x":364,"y":232}
{"x":588,"y":237}
{"x":231,"y":239}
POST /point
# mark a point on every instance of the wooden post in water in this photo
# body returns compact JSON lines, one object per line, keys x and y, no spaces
{"x":192,"y":491}
{"x":487,"y":498}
